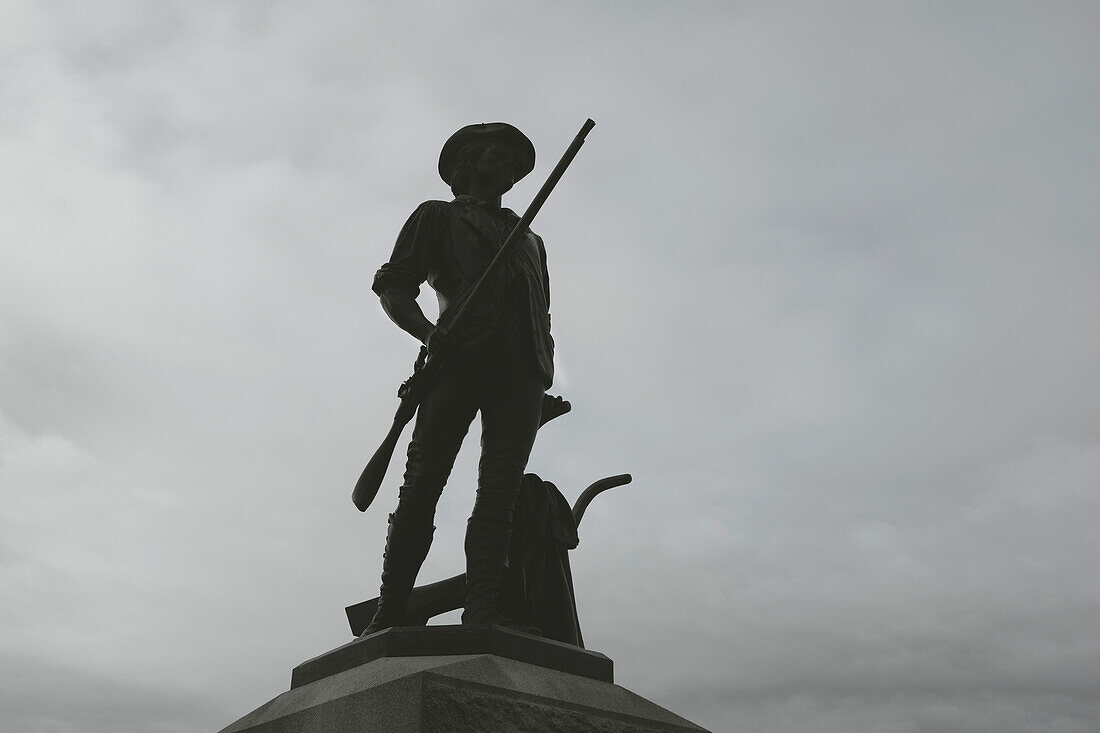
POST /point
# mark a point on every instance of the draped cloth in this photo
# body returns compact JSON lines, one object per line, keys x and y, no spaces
{"x":538,"y":585}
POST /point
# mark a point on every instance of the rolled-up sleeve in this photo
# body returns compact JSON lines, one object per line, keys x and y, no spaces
{"x":416,"y":251}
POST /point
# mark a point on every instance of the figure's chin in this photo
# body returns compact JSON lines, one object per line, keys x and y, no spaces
{"x":499,"y":190}
{"x":497,"y":187}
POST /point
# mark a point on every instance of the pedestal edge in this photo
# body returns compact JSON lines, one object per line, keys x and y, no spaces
{"x":420,"y":641}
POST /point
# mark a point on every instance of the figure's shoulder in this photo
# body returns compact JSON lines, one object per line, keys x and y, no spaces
{"x":434,"y":208}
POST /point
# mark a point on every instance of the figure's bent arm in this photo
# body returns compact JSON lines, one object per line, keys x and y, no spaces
{"x":403,"y":310}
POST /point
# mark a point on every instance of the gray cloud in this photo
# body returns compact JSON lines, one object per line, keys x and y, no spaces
{"x":44,"y":696}
{"x":824,"y":282}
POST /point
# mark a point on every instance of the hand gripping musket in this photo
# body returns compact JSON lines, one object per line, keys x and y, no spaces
{"x":427,"y":369}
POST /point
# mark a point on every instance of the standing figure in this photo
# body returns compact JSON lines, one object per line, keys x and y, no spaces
{"x":499,"y":362}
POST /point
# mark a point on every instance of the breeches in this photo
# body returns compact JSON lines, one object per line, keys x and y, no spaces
{"x":508,"y":393}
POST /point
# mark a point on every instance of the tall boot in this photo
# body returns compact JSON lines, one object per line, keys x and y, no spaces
{"x":406,"y":547}
{"x":487,"y":540}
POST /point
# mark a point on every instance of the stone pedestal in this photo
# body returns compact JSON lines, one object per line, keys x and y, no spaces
{"x":453,"y":679}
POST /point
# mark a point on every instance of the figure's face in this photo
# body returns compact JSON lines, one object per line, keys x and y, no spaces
{"x":495,"y":171}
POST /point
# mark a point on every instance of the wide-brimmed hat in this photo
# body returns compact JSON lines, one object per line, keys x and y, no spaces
{"x":522,"y":149}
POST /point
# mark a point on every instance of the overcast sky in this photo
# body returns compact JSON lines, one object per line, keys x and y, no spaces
{"x":826,"y":281}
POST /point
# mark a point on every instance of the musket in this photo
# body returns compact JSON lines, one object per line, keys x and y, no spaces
{"x":427,"y":369}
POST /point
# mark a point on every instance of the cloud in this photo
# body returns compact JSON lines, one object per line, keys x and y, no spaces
{"x":823,"y":281}
{"x":59,"y":698}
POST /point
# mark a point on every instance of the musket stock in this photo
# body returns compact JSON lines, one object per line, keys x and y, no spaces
{"x":366,"y":488}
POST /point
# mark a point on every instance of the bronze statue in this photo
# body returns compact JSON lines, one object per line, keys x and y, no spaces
{"x":490,"y":352}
